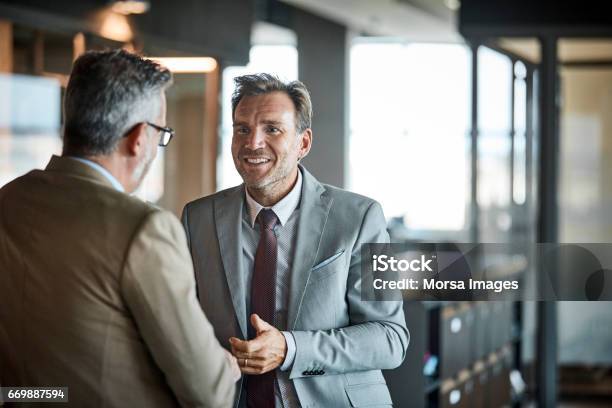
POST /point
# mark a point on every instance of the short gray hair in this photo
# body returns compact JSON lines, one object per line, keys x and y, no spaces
{"x":260,"y":84}
{"x":109,"y":92}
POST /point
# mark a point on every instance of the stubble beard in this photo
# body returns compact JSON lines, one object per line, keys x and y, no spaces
{"x":271,"y":182}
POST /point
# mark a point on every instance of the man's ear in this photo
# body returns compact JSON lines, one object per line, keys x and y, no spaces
{"x":136,"y":139}
{"x":305,"y":143}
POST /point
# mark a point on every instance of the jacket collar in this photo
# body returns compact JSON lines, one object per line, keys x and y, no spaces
{"x":75,"y":168}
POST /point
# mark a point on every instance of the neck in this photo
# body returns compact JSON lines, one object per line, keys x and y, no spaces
{"x":113,"y":164}
{"x":274,"y":192}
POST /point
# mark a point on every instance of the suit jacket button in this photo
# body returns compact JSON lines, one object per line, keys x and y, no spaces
{"x":305,"y":373}
{"x":322,"y":372}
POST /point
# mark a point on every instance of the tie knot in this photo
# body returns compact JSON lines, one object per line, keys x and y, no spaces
{"x":267,"y":219}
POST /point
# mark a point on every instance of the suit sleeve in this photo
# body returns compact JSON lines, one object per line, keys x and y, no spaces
{"x":377,"y":337}
{"x":185,"y":222}
{"x":159,"y":288}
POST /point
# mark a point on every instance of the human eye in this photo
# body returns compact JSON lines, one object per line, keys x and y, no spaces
{"x":273,"y":130}
{"x":241,"y":130}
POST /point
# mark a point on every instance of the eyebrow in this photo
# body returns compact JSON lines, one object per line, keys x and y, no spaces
{"x":265,"y":122}
{"x":272,"y":122}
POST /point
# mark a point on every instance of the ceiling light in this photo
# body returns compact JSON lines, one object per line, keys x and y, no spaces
{"x":187,"y":64}
{"x":116,"y":27}
{"x":453,"y":5}
{"x":126,"y":7}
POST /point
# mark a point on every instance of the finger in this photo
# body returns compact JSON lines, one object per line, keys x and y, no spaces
{"x":239,"y":345}
{"x":256,"y":355}
{"x":266,"y":364}
{"x":254,"y":345}
{"x":251,"y":363}
{"x":245,"y":346}
{"x":233,"y":350}
{"x":259,"y":324}
{"x":258,"y":369}
{"x":265,"y":352}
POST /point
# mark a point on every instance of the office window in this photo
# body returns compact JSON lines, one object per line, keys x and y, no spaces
{"x":30,"y":116}
{"x":519,"y":188}
{"x":30,"y":131}
{"x":494,"y":144}
{"x":585,"y":192}
{"x":409,"y":123}
{"x":280,"y":60}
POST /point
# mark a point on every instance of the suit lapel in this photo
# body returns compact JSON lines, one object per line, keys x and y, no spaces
{"x":228,"y":218}
{"x":314,"y":209}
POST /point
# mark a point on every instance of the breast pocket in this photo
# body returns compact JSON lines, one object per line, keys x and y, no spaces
{"x":327,"y":267}
{"x":368,"y":395}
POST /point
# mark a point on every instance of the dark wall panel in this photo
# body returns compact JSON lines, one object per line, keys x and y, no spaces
{"x":322,"y":66}
{"x":218,"y":28}
{"x":531,"y":17}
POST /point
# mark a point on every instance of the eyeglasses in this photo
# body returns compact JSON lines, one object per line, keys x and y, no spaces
{"x":166,"y":134}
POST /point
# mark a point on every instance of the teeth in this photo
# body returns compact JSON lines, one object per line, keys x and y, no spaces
{"x":257,"y":160}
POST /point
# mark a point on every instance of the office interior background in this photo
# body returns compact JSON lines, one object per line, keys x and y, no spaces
{"x":470,"y":121}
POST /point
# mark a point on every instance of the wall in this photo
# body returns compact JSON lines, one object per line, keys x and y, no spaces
{"x":322,"y":66}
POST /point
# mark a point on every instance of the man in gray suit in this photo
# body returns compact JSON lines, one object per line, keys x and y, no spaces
{"x":277,"y":262}
{"x":96,"y":287}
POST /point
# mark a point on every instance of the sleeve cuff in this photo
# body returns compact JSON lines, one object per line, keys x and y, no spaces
{"x":290,"y":356}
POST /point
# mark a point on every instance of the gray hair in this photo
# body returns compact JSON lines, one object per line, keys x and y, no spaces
{"x":109,"y":92}
{"x":260,"y":84}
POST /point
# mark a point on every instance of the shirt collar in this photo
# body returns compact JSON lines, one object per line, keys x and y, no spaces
{"x":283,"y":209}
{"x":102,"y":171}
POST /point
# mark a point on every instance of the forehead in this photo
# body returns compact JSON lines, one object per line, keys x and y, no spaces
{"x":277,"y":104}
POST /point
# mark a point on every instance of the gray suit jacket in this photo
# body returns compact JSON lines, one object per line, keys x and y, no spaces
{"x":342,"y":342}
{"x":97,"y":294}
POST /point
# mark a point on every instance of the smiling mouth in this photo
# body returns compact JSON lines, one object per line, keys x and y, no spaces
{"x":256,"y":160}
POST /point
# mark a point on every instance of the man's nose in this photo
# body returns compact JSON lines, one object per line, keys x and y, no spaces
{"x":256,"y":140}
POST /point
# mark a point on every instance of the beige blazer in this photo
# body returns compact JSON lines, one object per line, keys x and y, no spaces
{"x":97,"y":294}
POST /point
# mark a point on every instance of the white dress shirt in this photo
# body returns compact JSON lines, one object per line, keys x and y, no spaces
{"x":115,"y":183}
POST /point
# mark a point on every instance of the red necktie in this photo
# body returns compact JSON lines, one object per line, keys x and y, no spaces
{"x":260,"y":388}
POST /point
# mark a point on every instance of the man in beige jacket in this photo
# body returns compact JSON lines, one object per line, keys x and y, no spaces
{"x":97,"y":288}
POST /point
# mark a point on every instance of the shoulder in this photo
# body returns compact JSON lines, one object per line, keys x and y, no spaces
{"x":127,"y":206}
{"x":354,"y":215}
{"x":206,"y":203}
{"x":21,"y":182}
{"x":341,"y":200}
{"x":348,"y":201}
{"x":94,"y":198}
{"x":161,"y":223}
